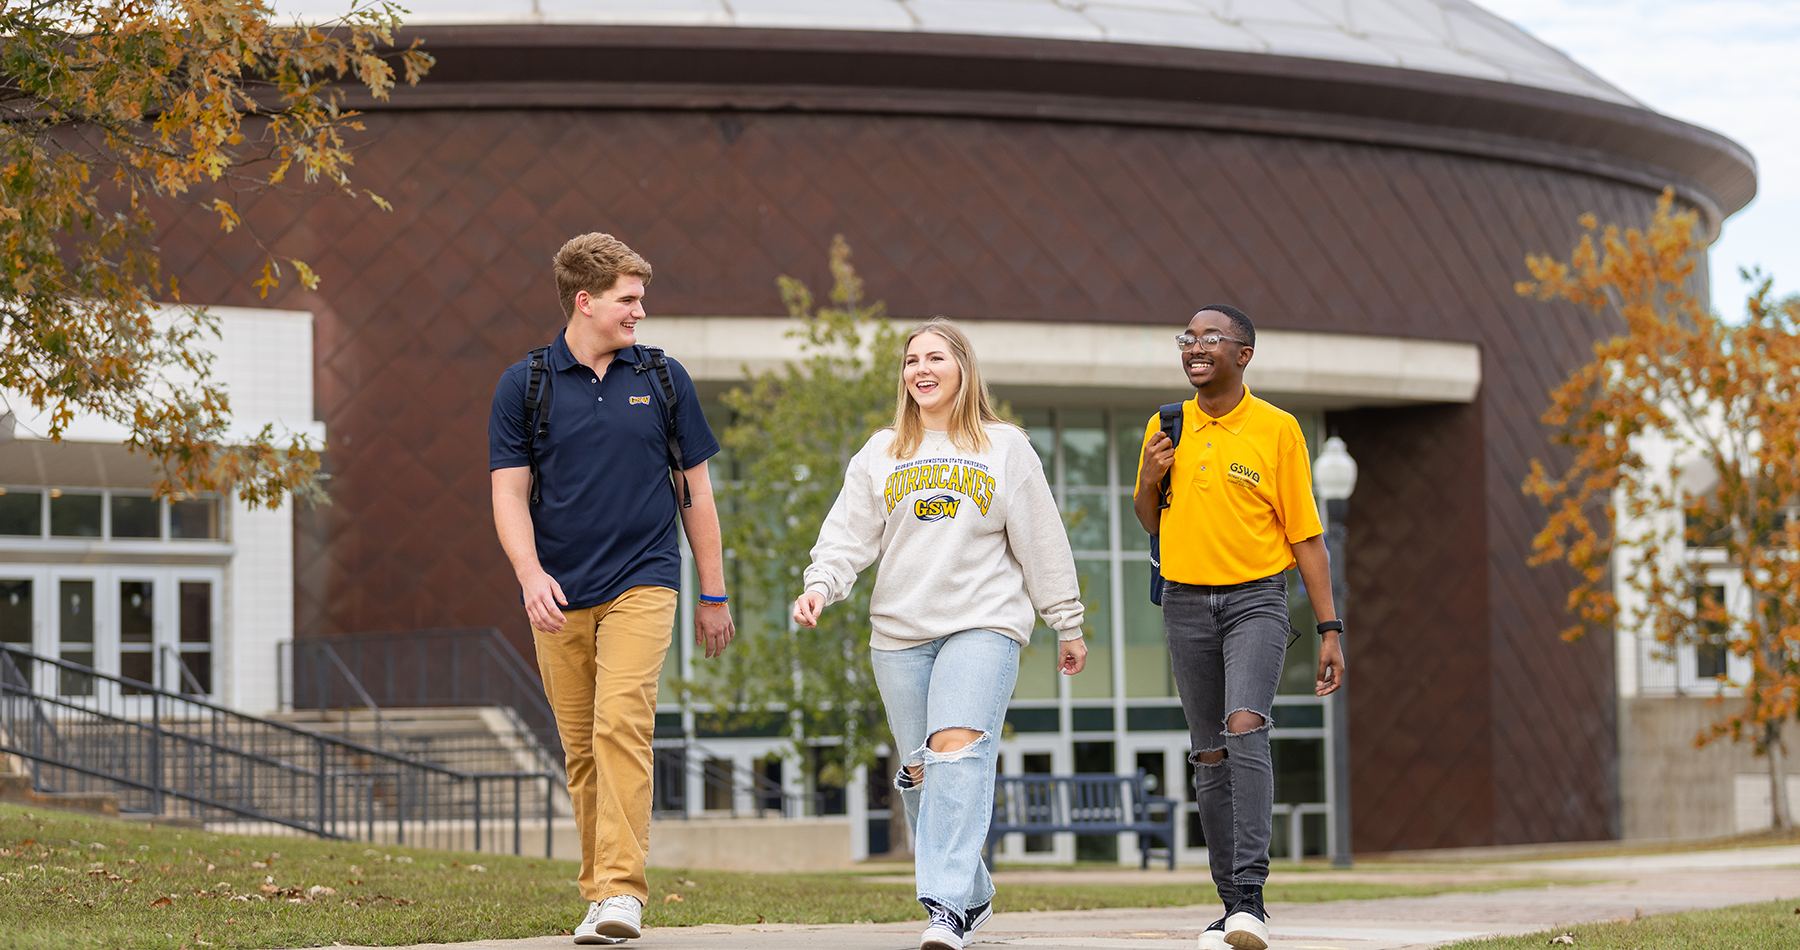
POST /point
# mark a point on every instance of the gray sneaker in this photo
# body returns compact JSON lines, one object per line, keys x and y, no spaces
{"x":588,"y":930}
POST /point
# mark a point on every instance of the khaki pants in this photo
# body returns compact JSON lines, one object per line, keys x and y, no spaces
{"x":600,"y":672}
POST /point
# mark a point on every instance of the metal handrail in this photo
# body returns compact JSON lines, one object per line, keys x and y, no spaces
{"x":285,"y":775}
{"x":538,"y":741}
{"x":382,"y":730}
{"x":731,"y":780}
{"x":169,"y":654}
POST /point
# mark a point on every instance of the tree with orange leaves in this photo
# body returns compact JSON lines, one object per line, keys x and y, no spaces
{"x":108,"y":104}
{"x":1684,"y":435}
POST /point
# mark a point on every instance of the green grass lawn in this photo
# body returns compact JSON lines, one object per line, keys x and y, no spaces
{"x":81,"y":881}
{"x":1772,"y":926}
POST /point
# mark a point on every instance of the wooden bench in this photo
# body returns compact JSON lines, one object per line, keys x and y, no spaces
{"x":1084,"y":805}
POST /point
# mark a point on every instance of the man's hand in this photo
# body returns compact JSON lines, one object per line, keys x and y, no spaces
{"x":1146,"y":502}
{"x":713,"y":628}
{"x":1331,"y":664}
{"x":542,"y":597}
{"x":1071,"y":656}
{"x":807,"y":608}
{"x":1159,"y":454}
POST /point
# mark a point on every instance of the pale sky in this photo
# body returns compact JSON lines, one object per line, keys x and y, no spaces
{"x":1729,"y":65}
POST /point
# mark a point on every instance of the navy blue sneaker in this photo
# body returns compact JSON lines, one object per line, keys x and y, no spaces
{"x":945,"y":929}
{"x":977,"y":916}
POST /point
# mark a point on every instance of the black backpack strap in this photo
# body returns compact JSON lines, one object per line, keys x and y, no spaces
{"x":537,"y":411}
{"x":655,"y":360}
{"x":1170,"y":418}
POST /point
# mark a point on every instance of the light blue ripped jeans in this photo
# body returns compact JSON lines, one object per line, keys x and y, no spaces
{"x":962,"y":681}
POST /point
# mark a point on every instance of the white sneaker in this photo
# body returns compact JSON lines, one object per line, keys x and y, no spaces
{"x":587,"y":932}
{"x":1246,"y":931}
{"x":621,"y":916}
{"x":1213,"y":937}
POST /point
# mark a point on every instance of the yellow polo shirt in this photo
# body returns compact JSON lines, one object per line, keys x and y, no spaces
{"x":1240,"y":494}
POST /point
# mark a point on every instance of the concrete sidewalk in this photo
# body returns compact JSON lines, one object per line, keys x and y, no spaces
{"x":1646,"y":885}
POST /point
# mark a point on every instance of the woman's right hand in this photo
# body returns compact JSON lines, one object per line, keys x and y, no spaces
{"x":807,"y":607}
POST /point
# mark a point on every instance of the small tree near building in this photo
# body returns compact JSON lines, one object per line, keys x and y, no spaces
{"x":1682,"y":398}
{"x":112,"y":108}
{"x":793,"y":434}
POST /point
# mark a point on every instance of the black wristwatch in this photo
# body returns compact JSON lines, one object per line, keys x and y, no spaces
{"x":1337,"y":625}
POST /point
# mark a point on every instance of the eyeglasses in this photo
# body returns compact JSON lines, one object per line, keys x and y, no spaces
{"x":1207,"y":341}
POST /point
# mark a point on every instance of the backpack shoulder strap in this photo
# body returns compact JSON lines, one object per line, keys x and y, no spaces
{"x":655,"y":360}
{"x":537,"y":411}
{"x":1169,"y":417}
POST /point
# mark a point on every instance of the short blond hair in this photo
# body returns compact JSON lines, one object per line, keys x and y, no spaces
{"x":594,"y":262}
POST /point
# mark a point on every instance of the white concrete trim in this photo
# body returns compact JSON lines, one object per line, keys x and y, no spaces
{"x":1322,"y":370}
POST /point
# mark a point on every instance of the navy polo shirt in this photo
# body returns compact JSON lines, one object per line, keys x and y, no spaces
{"x":608,"y":517}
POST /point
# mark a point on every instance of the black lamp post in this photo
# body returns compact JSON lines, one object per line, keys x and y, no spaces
{"x":1335,"y":473}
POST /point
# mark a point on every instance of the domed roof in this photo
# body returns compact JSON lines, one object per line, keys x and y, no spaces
{"x":1443,"y":36}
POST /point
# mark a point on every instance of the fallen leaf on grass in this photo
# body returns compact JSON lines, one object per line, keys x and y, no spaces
{"x":676,"y":898}
{"x":477,"y":867}
{"x":319,"y":890}
{"x":268,"y":888}
{"x":161,"y":902}
{"x":684,"y":882}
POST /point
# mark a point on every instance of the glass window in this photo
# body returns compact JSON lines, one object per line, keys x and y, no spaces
{"x":137,"y":665}
{"x":1300,"y":670}
{"x":74,"y":515}
{"x":15,"y":612}
{"x":1084,"y":515}
{"x":194,"y":518}
{"x":1084,"y":447}
{"x":71,"y":682}
{"x":196,"y":612}
{"x":75,"y":621}
{"x":1132,"y":536}
{"x":136,"y":516}
{"x":1037,"y":666}
{"x":196,"y":673}
{"x":75,"y":628}
{"x":137,"y":611}
{"x":1043,"y":438}
{"x":1147,"y":669}
{"x":1095,"y":682}
{"x":1299,"y":770}
{"x":1130,"y":428}
{"x":22,"y":513}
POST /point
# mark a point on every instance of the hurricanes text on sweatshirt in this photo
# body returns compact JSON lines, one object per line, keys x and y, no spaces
{"x":967,"y":540}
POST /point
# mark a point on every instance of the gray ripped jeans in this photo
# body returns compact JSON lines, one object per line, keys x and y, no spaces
{"x":1226,"y":645}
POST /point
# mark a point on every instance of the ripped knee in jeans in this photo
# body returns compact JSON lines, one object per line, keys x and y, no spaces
{"x":1211,"y":758}
{"x":943,"y":746}
{"x":1246,"y":721}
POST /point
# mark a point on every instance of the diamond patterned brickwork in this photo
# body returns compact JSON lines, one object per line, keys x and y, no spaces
{"x":1474,"y":723}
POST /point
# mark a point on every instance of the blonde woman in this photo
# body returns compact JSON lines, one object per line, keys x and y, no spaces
{"x":954,"y":503}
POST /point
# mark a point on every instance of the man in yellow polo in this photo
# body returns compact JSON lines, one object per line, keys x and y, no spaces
{"x":1240,"y":513}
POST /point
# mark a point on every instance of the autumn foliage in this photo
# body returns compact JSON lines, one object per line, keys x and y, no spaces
{"x":1684,"y":436}
{"x":109,"y":104}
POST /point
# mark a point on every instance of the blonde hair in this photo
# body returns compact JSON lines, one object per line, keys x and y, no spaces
{"x":970,"y":410}
{"x":594,"y":262}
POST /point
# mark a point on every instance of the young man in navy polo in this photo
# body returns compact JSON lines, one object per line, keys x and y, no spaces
{"x":597,"y":558}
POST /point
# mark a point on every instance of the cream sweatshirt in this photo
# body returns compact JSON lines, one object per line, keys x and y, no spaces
{"x":966,"y":540}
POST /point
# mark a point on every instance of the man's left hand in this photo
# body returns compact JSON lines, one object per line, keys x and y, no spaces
{"x":1331,"y":664}
{"x":713,"y":628}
